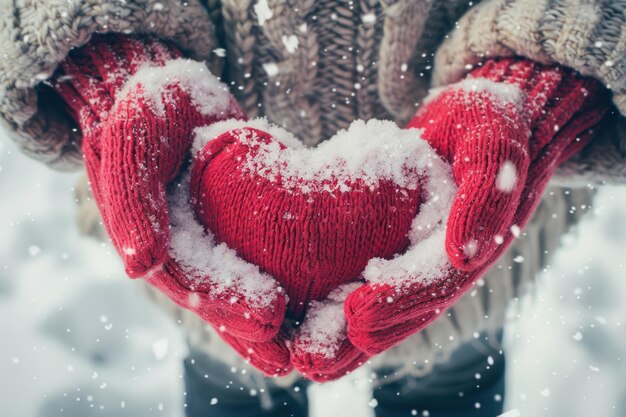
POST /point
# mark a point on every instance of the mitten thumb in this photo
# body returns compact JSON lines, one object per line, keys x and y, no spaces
{"x":137,"y":105}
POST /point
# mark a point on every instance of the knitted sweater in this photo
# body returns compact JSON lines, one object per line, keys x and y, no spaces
{"x":315,"y":66}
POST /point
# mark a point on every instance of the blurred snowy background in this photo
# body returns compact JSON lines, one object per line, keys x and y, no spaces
{"x":77,"y":338}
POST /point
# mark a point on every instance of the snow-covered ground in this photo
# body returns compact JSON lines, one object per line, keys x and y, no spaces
{"x":77,"y":339}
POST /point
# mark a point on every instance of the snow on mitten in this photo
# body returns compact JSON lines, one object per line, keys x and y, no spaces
{"x":504,"y":129}
{"x":321,"y":348}
{"x":310,"y":218}
{"x":313,"y":218}
{"x":136,"y":115}
{"x":137,"y":103}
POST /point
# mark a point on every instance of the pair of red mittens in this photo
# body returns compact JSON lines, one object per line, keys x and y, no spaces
{"x":504,"y":129}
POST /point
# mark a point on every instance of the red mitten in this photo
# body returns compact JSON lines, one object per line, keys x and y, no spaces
{"x":314,"y":218}
{"x":137,"y":104}
{"x":320,"y":349}
{"x":504,"y":129}
{"x":136,"y":129}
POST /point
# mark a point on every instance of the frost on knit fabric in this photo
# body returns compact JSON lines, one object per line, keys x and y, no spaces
{"x":210,"y":96}
{"x":499,"y":92}
{"x":149,"y":97}
{"x":325,"y":324}
{"x":202,"y":258}
{"x":195,"y":250}
{"x":370,"y":151}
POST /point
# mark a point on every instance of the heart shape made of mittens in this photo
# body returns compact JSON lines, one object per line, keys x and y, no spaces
{"x":310,"y":218}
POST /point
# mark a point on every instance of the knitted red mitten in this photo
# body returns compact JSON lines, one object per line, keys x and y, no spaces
{"x":136,"y":115}
{"x":504,"y":129}
{"x":137,"y":104}
{"x":314,"y":219}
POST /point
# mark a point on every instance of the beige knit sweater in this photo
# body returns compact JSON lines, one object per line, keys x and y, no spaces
{"x":315,"y":66}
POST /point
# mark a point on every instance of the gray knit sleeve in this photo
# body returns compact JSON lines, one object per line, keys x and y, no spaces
{"x":588,"y":36}
{"x":36,"y":35}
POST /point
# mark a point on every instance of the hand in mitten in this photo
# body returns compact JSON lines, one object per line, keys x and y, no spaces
{"x":313,"y":218}
{"x":137,"y":104}
{"x":504,"y":129}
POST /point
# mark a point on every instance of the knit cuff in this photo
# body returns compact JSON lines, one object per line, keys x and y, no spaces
{"x":90,"y":78}
{"x":35,"y":36}
{"x":586,"y":37}
{"x":552,"y":95}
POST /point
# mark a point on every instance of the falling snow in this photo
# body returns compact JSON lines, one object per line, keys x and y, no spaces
{"x":291,"y":43}
{"x":89,"y":287}
{"x":271,"y":69}
{"x":159,"y":348}
{"x":507,"y":177}
{"x":369,"y":18}
{"x":263,"y":11}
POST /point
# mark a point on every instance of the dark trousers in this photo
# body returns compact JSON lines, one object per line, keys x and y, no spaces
{"x":213,"y":389}
{"x":469,"y":384}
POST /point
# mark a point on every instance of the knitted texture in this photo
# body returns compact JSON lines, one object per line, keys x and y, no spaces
{"x":501,"y":290}
{"x":291,"y":86}
{"x":35,"y":36}
{"x":587,"y":36}
{"x":311,"y":242}
{"x":527,"y":118}
{"x":530,"y":134}
{"x":137,"y":135}
{"x":512,"y":113}
{"x":252,"y":332}
{"x":130,"y":175}
{"x":315,"y":66}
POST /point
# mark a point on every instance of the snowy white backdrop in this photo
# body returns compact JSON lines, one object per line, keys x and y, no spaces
{"x":77,"y":339}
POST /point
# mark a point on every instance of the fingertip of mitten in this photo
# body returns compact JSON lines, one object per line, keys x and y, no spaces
{"x":362,"y":306}
{"x":363,"y":340}
{"x":266,"y":321}
{"x":301,"y":360}
{"x":272,"y":357}
{"x":248,"y":323}
{"x":143,"y":262}
{"x":318,"y":368}
{"x":281,"y":368}
{"x":256,"y":332}
{"x":469,"y":255}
